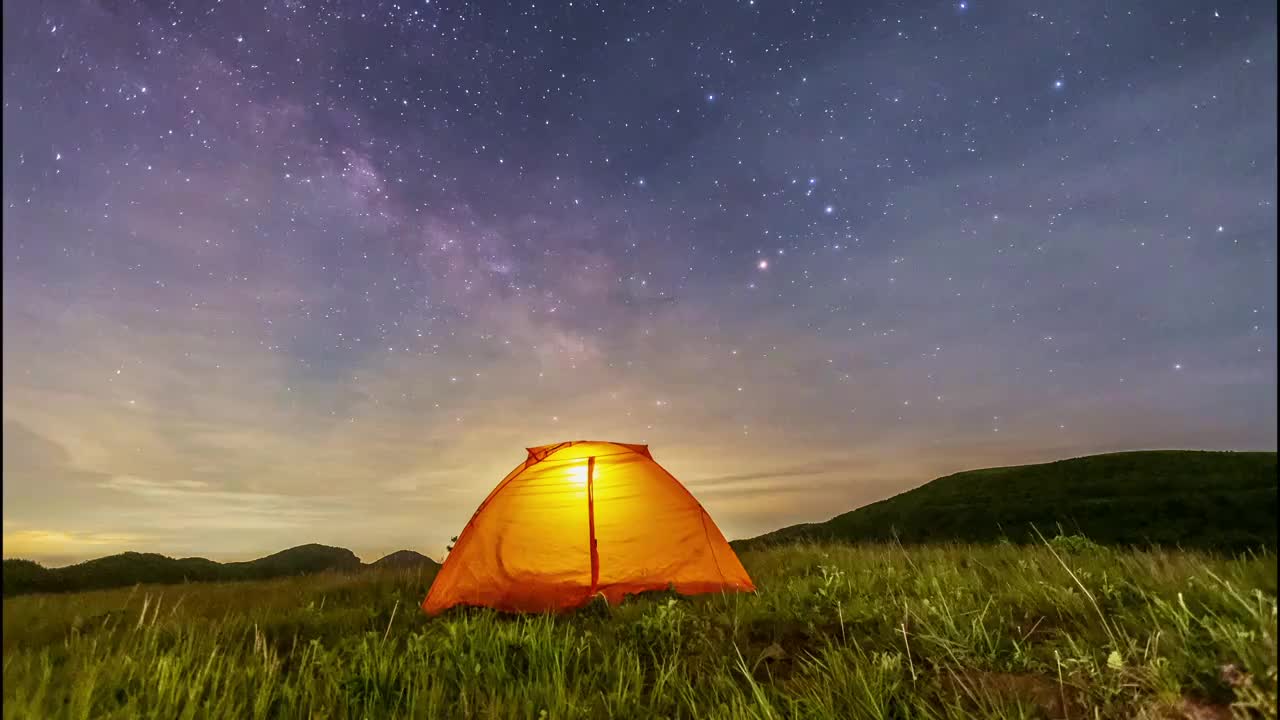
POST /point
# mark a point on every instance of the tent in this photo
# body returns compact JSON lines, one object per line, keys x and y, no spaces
{"x":582,"y":518}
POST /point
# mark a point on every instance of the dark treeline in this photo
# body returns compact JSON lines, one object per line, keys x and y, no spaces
{"x":24,"y":576}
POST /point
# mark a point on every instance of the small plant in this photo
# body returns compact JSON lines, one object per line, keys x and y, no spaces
{"x":1075,"y":544}
{"x":597,"y":606}
{"x":828,"y":590}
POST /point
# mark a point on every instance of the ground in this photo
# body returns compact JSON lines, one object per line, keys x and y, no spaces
{"x":873,"y":631}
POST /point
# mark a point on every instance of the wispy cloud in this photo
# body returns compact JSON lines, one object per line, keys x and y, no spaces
{"x":38,"y":544}
{"x":823,"y":468}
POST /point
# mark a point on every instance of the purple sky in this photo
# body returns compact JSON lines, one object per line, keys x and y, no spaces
{"x":291,"y":272}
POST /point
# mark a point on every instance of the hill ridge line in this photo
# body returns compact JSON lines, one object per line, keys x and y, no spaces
{"x":1201,"y":499}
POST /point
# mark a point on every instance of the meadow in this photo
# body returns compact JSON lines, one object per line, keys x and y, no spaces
{"x":1060,"y":629}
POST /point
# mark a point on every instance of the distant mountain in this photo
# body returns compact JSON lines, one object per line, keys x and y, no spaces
{"x":301,"y":560}
{"x":24,"y":576}
{"x":404,"y":559}
{"x":1218,"y":501}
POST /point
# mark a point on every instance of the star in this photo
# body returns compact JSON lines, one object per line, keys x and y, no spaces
{"x":465,"y":231}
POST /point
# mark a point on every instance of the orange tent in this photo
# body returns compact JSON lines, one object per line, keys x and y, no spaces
{"x":580,"y":518}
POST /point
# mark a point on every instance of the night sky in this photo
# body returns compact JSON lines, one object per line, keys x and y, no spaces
{"x":290,"y":272}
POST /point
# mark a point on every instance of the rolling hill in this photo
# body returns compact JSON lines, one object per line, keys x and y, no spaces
{"x":404,"y":559}
{"x":1217,"y":501}
{"x":24,"y":576}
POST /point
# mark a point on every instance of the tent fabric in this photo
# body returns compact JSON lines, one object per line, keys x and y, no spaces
{"x":581,"y":518}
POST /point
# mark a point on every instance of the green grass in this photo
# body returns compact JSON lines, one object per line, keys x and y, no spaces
{"x":875,"y":631}
{"x":1216,"y":501}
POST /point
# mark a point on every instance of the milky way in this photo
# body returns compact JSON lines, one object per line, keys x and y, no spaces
{"x":318,"y":272}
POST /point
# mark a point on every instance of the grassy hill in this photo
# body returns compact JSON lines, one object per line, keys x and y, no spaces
{"x":1219,"y":501}
{"x":404,"y":559}
{"x":24,"y":576}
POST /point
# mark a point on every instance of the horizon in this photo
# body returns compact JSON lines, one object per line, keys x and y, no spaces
{"x":279,"y":271}
{"x":370,"y":556}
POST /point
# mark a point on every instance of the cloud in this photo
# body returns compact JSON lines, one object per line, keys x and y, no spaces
{"x":140,"y":486}
{"x":730,"y":481}
{"x":42,"y":483}
{"x":182,"y":504}
{"x":45,"y":543}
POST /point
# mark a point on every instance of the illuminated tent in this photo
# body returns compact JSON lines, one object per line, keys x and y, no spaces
{"x":580,"y":518}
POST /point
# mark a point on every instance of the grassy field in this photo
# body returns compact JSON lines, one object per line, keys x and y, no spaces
{"x":875,"y":631}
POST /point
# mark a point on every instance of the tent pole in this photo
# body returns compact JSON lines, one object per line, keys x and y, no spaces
{"x":591,"y":522}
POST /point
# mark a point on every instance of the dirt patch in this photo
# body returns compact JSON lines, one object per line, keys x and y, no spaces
{"x":1063,"y":701}
{"x":771,"y":651}
{"x":773,"y":663}
{"x":1195,"y":710}
{"x":1187,"y":709}
{"x":1052,"y":699}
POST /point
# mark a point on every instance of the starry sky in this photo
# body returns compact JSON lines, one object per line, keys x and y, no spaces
{"x":289,"y":272}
